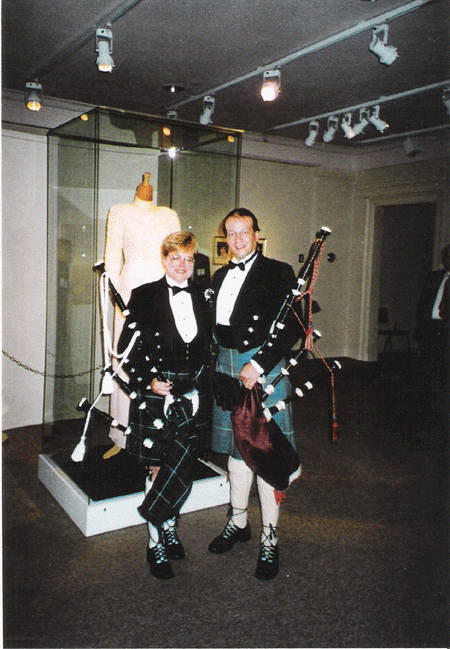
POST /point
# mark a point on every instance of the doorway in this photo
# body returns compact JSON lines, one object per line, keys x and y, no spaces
{"x":405,"y":235}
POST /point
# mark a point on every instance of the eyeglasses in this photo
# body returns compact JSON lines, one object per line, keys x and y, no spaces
{"x":176,"y":259}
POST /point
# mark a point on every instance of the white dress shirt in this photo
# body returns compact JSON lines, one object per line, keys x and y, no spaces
{"x":183,"y":311}
{"x":435,"y":312}
{"x":230,"y":288}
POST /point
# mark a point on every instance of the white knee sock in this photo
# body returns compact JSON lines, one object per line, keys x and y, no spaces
{"x":152,"y":531}
{"x":241,"y":478}
{"x":270,"y":511}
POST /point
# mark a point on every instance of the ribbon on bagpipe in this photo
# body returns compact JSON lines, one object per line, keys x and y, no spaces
{"x":262,"y":444}
{"x":107,"y":383}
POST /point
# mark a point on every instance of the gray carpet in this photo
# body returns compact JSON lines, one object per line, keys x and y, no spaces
{"x":363,"y":542}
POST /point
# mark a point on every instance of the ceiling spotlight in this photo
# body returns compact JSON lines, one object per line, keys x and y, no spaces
{"x":313,"y":130}
{"x":270,"y":88}
{"x":208,"y":109}
{"x":103,"y":45}
{"x":363,"y":121}
{"x":347,"y":126}
{"x":332,"y":125}
{"x":410,"y":147}
{"x":33,"y":92}
{"x":446,"y":98}
{"x":374,"y":119}
{"x":172,"y":114}
{"x":386,"y":53}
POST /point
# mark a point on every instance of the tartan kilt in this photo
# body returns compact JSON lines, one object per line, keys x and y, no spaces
{"x":148,"y":422}
{"x":230,"y":362}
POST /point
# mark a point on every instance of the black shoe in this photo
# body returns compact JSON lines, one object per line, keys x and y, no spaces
{"x":229,"y":537}
{"x":159,"y":563}
{"x":172,"y":543}
{"x":267,"y":564}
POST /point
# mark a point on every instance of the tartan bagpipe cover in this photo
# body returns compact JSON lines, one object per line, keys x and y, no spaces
{"x":263,"y":446}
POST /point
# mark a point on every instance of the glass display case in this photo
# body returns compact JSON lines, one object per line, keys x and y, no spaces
{"x":97,"y":161}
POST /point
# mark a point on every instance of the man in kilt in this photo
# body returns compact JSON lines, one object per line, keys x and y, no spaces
{"x":249,"y":293}
{"x":168,"y":372}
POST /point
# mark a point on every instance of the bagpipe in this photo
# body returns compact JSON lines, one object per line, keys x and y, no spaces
{"x":161,"y":416}
{"x":263,"y":446}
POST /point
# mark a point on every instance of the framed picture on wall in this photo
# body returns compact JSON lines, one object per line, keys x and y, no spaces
{"x":261,"y":246}
{"x":221,"y":254}
{"x":220,"y":251}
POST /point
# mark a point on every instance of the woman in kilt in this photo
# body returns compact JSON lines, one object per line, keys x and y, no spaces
{"x":168,"y":371}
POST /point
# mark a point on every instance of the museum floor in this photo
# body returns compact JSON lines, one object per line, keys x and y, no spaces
{"x":363,"y":544}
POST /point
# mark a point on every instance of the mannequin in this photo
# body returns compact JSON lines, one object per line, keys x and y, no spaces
{"x":134,"y":233}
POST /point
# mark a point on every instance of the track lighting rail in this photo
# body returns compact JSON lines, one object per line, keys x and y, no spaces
{"x":367,"y":104}
{"x":315,"y":47}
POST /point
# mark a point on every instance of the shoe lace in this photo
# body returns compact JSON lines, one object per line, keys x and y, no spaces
{"x":160,"y":553}
{"x":170,"y":536}
{"x":268,"y":543}
{"x":229,"y":530}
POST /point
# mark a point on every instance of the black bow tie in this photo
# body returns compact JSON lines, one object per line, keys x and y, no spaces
{"x":177,"y":289}
{"x":241,"y":264}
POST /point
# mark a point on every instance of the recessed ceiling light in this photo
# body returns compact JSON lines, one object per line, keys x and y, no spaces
{"x":173,"y":88}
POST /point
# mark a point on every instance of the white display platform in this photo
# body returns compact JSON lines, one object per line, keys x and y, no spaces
{"x":95,"y":517}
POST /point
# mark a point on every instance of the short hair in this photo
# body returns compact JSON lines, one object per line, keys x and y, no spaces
{"x":179,"y":241}
{"x":243,"y":212}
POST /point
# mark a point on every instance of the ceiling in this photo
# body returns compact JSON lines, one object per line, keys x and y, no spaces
{"x":222,"y":47}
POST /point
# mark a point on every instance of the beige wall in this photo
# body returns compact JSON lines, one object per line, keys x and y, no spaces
{"x":292,"y":201}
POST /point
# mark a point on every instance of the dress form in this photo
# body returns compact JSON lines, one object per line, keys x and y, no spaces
{"x":134,"y":234}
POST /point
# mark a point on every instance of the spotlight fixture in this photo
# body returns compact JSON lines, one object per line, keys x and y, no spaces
{"x":33,"y":92}
{"x":347,"y":126}
{"x":103,"y":45}
{"x":363,"y":121}
{"x":270,"y":88}
{"x":374,"y":119}
{"x":446,"y":98}
{"x":410,"y":147}
{"x":208,"y":109}
{"x":172,"y":114}
{"x":386,"y":53}
{"x":313,"y":130}
{"x":332,"y":124}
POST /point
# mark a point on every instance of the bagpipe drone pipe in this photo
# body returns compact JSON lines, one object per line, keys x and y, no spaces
{"x":263,"y":446}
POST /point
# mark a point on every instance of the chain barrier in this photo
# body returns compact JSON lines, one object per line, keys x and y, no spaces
{"x":51,"y":376}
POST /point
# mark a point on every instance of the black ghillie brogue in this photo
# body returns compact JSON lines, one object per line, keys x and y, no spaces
{"x":230,"y":535}
{"x":159,"y":563}
{"x":172,"y":543}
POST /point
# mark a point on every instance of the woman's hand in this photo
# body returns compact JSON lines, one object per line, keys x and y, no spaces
{"x":162,"y":388}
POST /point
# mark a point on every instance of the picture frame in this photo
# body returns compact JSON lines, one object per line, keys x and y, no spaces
{"x":221,"y":254}
{"x":220,"y":251}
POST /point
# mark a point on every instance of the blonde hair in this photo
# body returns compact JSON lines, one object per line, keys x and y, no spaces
{"x":179,"y":241}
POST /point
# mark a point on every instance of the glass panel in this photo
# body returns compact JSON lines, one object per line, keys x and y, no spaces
{"x":98,"y":162}
{"x":70,"y":288}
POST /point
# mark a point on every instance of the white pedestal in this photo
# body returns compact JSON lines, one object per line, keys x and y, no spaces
{"x":95,"y":517}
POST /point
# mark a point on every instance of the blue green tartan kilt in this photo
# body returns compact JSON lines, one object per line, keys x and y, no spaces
{"x":230,"y":362}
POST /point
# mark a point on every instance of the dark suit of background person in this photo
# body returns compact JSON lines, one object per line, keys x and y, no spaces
{"x":431,"y":334}
{"x":259,"y":299}
{"x":164,"y":364}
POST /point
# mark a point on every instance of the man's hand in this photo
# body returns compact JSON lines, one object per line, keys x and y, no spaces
{"x":162,"y":388}
{"x":249,"y":375}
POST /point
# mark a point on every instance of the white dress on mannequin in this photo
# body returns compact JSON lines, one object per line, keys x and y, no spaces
{"x":134,"y":234}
